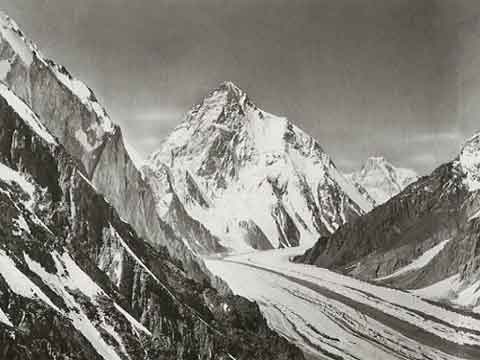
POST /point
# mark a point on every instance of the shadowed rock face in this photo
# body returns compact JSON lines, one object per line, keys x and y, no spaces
{"x":77,"y":281}
{"x":70,"y":110}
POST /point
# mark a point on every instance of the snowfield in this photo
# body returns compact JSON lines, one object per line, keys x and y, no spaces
{"x":332,"y":316}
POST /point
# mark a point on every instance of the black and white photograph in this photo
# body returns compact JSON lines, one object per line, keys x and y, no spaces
{"x":239,"y":180}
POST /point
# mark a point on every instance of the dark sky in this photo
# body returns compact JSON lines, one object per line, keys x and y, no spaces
{"x":365,"y":77}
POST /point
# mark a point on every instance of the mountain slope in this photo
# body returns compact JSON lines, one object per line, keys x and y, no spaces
{"x":254,"y":179}
{"x":426,"y":236}
{"x":381,"y":180}
{"x":77,"y":282}
{"x":70,"y":110}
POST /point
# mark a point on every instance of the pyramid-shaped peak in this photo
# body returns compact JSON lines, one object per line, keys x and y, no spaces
{"x":231,"y":91}
{"x":230,"y":86}
{"x":226,"y":95}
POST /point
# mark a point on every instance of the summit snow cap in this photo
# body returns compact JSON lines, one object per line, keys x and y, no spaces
{"x":381,"y":179}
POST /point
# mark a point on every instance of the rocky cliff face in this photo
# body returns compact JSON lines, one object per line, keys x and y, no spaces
{"x":253,"y":179}
{"x":72,"y":113}
{"x":426,"y":236}
{"x":381,"y":180}
{"x":77,"y":282}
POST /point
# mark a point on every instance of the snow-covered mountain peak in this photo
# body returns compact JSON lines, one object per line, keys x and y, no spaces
{"x":220,"y":104}
{"x":469,"y":160}
{"x":10,"y":31}
{"x":381,"y":180}
{"x":267,"y":183}
{"x":231,"y":87}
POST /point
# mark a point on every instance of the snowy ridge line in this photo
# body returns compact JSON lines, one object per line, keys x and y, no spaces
{"x":27,"y":50}
{"x":26,"y":114}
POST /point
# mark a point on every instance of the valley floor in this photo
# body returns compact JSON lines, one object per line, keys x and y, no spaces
{"x":331,"y":316}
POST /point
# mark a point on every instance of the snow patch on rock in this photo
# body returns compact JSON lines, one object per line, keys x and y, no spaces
{"x":69,"y":276}
{"x":19,"y":283}
{"x":137,"y":325}
{"x":26,"y":114}
{"x":4,"y":319}
{"x":9,"y":175}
